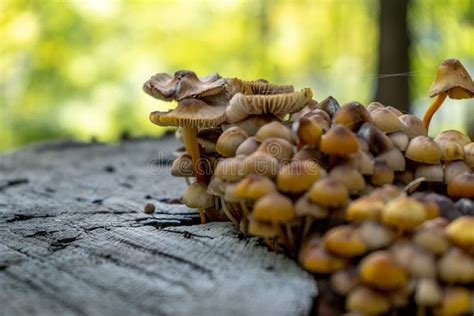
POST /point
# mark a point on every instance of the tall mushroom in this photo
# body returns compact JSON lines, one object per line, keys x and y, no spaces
{"x":452,"y":80}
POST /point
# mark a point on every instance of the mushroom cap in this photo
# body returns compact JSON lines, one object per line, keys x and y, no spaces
{"x":309,"y":152}
{"x":380,"y":270}
{"x":452,"y":76}
{"x":375,"y":235}
{"x":367,"y":301}
{"x":278,"y":148}
{"x":372,"y":106}
{"x":431,"y":173}
{"x":196,"y":196}
{"x":365,"y":208}
{"x":260,"y":163}
{"x":362,"y":161}
{"x":456,"y":266}
{"x":377,"y":140}
{"x":453,"y":134}
{"x":450,"y":149}
{"x":261,"y":229}
{"x":453,"y":169}
{"x":253,"y":187}
{"x":274,"y":207}
{"x":418,"y":262}
{"x":393,"y":158}
{"x":413,"y":126}
{"x":216,"y":186}
{"x":404,"y":213}
{"x":248,"y":146}
{"x":352,"y":115}
{"x":182,"y":166}
{"x":303,"y":207}
{"x":230,"y":140}
{"x":241,"y":105}
{"x":309,"y":131}
{"x":462,"y":186}
{"x":386,"y":193}
{"x":431,"y":235}
{"x":455,"y":301}
{"x":230,"y":169}
{"x":344,"y":241}
{"x":345,"y":280}
{"x":469,"y":155}
{"x":428,"y":292}
{"x":329,"y":105}
{"x":349,"y":176}
{"x":274,"y":129}
{"x":298,"y":176}
{"x":423,"y":149}
{"x":184,"y":84}
{"x":461,"y":232}
{"x":386,"y":120}
{"x":192,"y":113}
{"x":316,"y":259}
{"x":399,"y":139}
{"x":339,"y":140}
{"x":329,"y":193}
{"x":252,"y":123}
{"x":382,"y":174}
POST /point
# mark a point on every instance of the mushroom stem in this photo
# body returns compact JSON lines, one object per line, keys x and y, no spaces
{"x":245,"y":209}
{"x":202,"y":215}
{"x":188,"y":182}
{"x":433,"y":108}
{"x":192,"y":147}
{"x":227,"y":212}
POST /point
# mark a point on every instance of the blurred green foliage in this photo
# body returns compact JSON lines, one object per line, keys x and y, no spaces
{"x":75,"y":68}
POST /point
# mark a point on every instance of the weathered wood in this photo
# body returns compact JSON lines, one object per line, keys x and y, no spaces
{"x":75,"y":241}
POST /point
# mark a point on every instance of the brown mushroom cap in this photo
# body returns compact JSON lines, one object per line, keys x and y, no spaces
{"x":344,"y":241}
{"x":309,"y":131}
{"x":184,"y":84}
{"x":253,"y":187}
{"x":404,"y":213}
{"x":339,"y":140}
{"x":461,"y":232}
{"x":452,"y":134}
{"x":329,"y":105}
{"x":352,"y":115}
{"x":418,"y":262}
{"x":260,"y":163}
{"x":393,"y":158}
{"x":303,"y":207}
{"x":382,"y":174}
{"x":386,"y":120}
{"x":196,"y":196}
{"x":456,"y":266}
{"x":380,"y":270}
{"x":367,"y":301}
{"x":431,"y":235}
{"x":349,"y":176}
{"x":298,"y":176}
{"x":450,"y":149}
{"x":469,"y":155}
{"x":365,"y":208}
{"x":248,"y":146}
{"x":372,"y":106}
{"x":423,"y":149}
{"x":377,"y":140}
{"x":455,"y":301}
{"x":190,"y":112}
{"x":261,"y":86}
{"x":413,"y":126}
{"x":314,"y":258}
{"x":328,"y":192}
{"x":462,"y":186}
{"x":454,"y":79}
{"x":278,"y":148}
{"x":274,"y":129}
{"x":182,"y":166}
{"x":453,"y":169}
{"x":362,"y":161}
{"x":229,"y":140}
{"x":230,"y":169}
{"x":274,"y":207}
{"x":345,"y":280}
{"x":241,"y":105}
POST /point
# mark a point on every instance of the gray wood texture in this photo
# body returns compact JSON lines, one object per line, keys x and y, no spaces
{"x":74,"y":240}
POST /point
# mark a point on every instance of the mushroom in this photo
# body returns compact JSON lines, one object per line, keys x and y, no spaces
{"x":452,"y":80}
{"x":349,"y":176}
{"x":414,"y":259}
{"x":450,"y":149}
{"x":328,"y":192}
{"x":386,"y":120}
{"x":430,"y":173}
{"x":404,"y":213}
{"x":345,"y":280}
{"x":454,"y":168}
{"x":380,"y":270}
{"x":452,"y":134}
{"x":261,"y":163}
{"x":431,"y":235}
{"x":462,"y":186}
{"x":461,"y":232}
{"x":184,"y":84}
{"x":469,"y":155}
{"x":367,"y":301}
{"x":413,"y":126}
{"x":372,"y":106}
{"x":352,"y":115}
{"x":455,"y":301}
{"x":339,"y":141}
{"x":365,"y":208}
{"x":344,"y":241}
{"x":428,"y":293}
{"x":261,"y":86}
{"x":399,"y":139}
{"x":278,"y":148}
{"x":274,"y":129}
{"x":329,"y":105}
{"x":253,"y":187}
{"x":362,"y":161}
{"x":316,"y":259}
{"x":393,"y":158}
{"x":382,"y":174}
{"x":375,"y":235}
{"x":182,"y":167}
{"x":230,"y":140}
{"x":230,"y":169}
{"x":190,"y":114}
{"x":248,"y":146}
{"x":242,"y":106}
{"x":377,"y":140}
{"x":456,"y":266}
{"x":423,"y":149}
{"x":308,"y":132}
{"x":252,"y":123}
{"x":298,"y":176}
{"x":196,"y":196}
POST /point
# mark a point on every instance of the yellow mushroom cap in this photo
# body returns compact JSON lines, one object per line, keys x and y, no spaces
{"x":372,"y":106}
{"x":352,"y":115}
{"x":260,"y":163}
{"x":386,"y":192}
{"x":328,"y":192}
{"x":229,"y":141}
{"x":367,"y":301}
{"x":462,"y":186}
{"x":349,"y":176}
{"x":454,"y":79}
{"x":253,"y":187}
{"x":344,"y":241}
{"x":386,"y":120}
{"x":230,"y":169}
{"x":404,"y":213}
{"x":461,"y":231}
{"x":375,"y":235}
{"x":455,"y":301}
{"x":380,"y":270}
{"x":365,"y":208}
{"x":274,"y":207}
{"x":309,"y":131}
{"x":339,"y":140}
{"x":382,"y":174}
{"x":314,"y":258}
{"x":298,"y":176}
{"x":261,"y":229}
{"x":423,"y":149}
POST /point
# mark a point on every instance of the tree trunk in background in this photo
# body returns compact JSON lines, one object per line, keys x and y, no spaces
{"x":393,"y":55}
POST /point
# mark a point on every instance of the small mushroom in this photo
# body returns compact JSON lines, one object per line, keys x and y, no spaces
{"x":362,"y":161}
{"x":298,"y":176}
{"x":352,"y":115}
{"x":382,"y":174}
{"x":349,"y":176}
{"x":454,"y":168}
{"x":455,"y":301}
{"x":274,"y":208}
{"x":367,"y":301}
{"x":308,"y":132}
{"x":413,"y":126}
{"x":377,"y":140}
{"x":393,"y":158}
{"x":456,"y":266}
{"x":309,"y":153}
{"x":375,"y":235}
{"x":182,"y":166}
{"x":371,"y":107}
{"x":450,"y":149}
{"x":431,"y":236}
{"x":399,"y":139}
{"x":278,"y":148}
{"x":329,"y":193}
{"x":252,"y":123}
{"x":428,"y":292}
{"x":430,"y":173}
{"x":452,"y":80}
{"x":461,"y":232}
{"x":394,"y":110}
{"x":344,"y":241}
{"x":339,"y":141}
{"x":253,"y":187}
{"x":469,"y":155}
{"x":386,"y":193}
{"x":414,"y":259}
{"x":196,"y":196}
{"x":241,"y":105}
{"x":386,"y":120}
{"x":452,"y":134}
{"x":404,"y":213}
{"x":365,"y":208}
{"x":380,"y":270}
{"x":274,"y":129}
{"x":316,"y":259}
{"x":423,"y":149}
{"x":329,"y":105}
{"x":230,"y":140}
{"x":261,"y":163}
{"x":345,"y":280}
{"x":230,"y":169}
{"x":247,"y":147}
{"x":462,"y":186}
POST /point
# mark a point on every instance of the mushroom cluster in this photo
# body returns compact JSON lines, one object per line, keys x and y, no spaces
{"x":355,"y":192}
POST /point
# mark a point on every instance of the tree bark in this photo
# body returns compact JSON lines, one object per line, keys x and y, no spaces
{"x":393,"y":60}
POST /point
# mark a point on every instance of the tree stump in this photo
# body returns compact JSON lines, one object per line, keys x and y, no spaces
{"x":74,"y":240}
